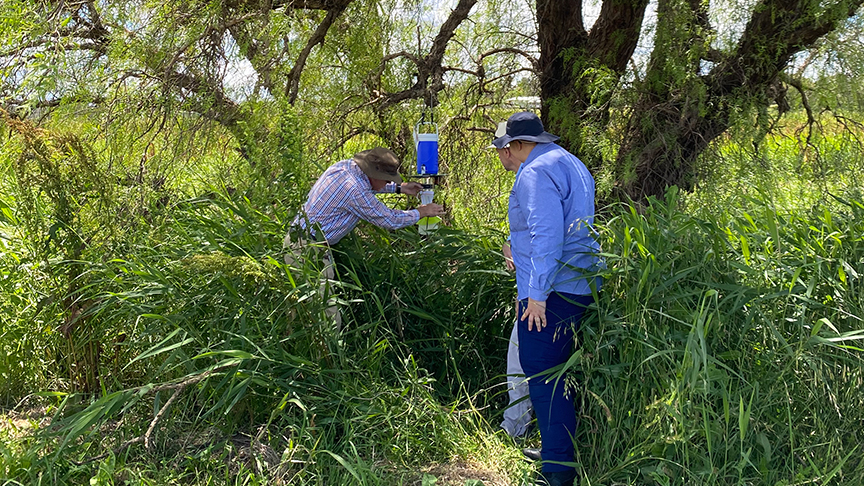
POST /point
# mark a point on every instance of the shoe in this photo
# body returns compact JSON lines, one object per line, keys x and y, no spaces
{"x":560,"y":478}
{"x":531,"y":453}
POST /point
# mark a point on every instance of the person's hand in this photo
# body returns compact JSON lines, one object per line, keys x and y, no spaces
{"x":411,"y":188}
{"x":535,"y":313}
{"x":431,"y":209}
{"x":508,"y":256}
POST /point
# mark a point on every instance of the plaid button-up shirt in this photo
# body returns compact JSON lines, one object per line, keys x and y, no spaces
{"x":343,"y":196}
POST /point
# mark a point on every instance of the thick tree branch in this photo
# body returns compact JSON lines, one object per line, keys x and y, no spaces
{"x":560,"y":28}
{"x":453,"y":69}
{"x":317,"y":38}
{"x":535,"y":63}
{"x":777,"y":30}
{"x":714,"y":55}
{"x":808,"y":109}
{"x":223,"y":109}
{"x":805,"y":100}
{"x":253,"y":47}
{"x":374,"y":79}
{"x":447,"y":31}
{"x":396,"y":55}
{"x":97,"y":31}
{"x":615,"y":34}
{"x":430,"y":75}
{"x":674,"y":123}
{"x":510,"y":74}
{"x":703,"y":30}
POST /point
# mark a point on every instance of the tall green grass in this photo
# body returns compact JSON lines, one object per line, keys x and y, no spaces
{"x":726,"y":351}
{"x":721,"y":351}
{"x":211,"y":338}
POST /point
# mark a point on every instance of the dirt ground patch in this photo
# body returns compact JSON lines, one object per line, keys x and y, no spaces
{"x":15,"y":424}
{"x":457,"y":473}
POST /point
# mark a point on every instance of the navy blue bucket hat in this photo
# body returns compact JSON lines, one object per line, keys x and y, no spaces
{"x":524,"y":126}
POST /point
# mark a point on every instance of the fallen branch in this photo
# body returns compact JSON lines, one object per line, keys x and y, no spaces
{"x":147,"y":437}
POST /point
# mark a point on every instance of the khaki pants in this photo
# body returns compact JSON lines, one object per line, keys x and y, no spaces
{"x":294,"y":258}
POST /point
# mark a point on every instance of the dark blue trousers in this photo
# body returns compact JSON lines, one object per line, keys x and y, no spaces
{"x":539,"y":351}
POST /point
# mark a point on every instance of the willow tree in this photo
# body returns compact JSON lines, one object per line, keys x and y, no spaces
{"x":335,"y":59}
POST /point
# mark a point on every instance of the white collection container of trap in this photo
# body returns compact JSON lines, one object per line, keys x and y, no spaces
{"x":427,"y":225}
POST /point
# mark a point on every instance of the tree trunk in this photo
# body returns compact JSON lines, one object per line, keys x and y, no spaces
{"x":675,"y":120}
{"x":690,"y":94}
{"x":578,"y":69}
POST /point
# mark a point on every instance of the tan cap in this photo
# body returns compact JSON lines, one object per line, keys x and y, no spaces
{"x":379,"y":163}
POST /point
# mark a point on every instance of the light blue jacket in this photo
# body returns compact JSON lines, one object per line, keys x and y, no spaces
{"x":551,"y":216}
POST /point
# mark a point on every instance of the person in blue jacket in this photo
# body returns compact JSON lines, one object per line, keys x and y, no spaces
{"x":551,"y":213}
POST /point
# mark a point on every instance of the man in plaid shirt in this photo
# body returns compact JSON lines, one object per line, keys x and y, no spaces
{"x":342,"y":196}
{"x":345,"y":194}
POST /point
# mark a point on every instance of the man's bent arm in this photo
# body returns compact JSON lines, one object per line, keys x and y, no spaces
{"x":368,"y":207}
